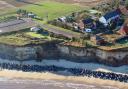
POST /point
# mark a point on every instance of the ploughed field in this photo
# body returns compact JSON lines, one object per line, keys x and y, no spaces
{"x":81,"y":2}
{"x":6,"y":7}
{"x":18,"y":3}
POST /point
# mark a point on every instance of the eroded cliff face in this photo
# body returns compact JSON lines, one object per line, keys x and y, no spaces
{"x":113,"y":58}
{"x":18,"y":53}
{"x":30,"y":52}
{"x":52,"y":51}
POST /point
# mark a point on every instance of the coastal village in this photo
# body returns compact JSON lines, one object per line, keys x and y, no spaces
{"x":106,"y":29}
{"x":103,"y":26}
{"x":94,"y":31}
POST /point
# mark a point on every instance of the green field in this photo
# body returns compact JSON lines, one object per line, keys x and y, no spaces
{"x":14,"y":39}
{"x":52,"y":9}
{"x":36,"y":35}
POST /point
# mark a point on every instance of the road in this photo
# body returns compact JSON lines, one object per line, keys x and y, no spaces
{"x":59,"y":31}
{"x":17,"y":25}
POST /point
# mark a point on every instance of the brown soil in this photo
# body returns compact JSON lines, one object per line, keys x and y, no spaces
{"x":82,"y":2}
{"x":18,"y":3}
{"x":4,"y":5}
{"x":76,"y":44}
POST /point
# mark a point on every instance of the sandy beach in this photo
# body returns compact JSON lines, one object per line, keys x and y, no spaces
{"x":50,"y":76}
{"x":63,"y":76}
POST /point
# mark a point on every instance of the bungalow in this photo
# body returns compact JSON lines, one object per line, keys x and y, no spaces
{"x":35,"y":29}
{"x":88,"y":22}
{"x":97,"y":40}
{"x":124,"y":29}
{"x":31,"y":15}
{"x":62,"y":19}
{"x":109,"y":17}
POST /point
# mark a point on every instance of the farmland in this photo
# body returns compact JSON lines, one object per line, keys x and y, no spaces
{"x":51,"y":9}
{"x":6,"y":8}
{"x":19,"y":3}
{"x":10,"y":6}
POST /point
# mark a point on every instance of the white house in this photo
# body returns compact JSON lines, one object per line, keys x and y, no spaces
{"x":109,"y":16}
{"x":35,"y":29}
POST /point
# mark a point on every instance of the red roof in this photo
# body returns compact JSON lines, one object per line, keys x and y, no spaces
{"x":124,"y":30}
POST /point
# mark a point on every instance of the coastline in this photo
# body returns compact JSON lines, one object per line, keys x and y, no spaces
{"x":60,"y":63}
{"x":50,"y":76}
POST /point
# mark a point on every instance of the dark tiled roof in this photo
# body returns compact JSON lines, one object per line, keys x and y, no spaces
{"x":112,"y":14}
{"x":87,"y":21}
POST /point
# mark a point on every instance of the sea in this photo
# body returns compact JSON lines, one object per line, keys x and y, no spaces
{"x":6,"y":83}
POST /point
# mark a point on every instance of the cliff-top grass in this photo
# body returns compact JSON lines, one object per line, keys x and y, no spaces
{"x":23,"y":38}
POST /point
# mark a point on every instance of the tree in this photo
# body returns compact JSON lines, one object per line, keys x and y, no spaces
{"x":19,"y":11}
{"x":117,"y":3}
{"x":126,"y":3}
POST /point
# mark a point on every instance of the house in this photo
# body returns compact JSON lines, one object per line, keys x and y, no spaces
{"x":62,"y":19}
{"x":109,"y":17}
{"x":31,"y":15}
{"x":35,"y":29}
{"x":88,"y":22}
{"x":97,"y":40}
{"x":124,"y":29}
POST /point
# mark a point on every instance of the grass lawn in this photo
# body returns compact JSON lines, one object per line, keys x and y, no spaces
{"x":23,"y":38}
{"x":52,"y":9}
{"x":36,"y":35}
{"x":14,"y":40}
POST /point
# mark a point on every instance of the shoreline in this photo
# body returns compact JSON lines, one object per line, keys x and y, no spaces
{"x":51,"y":76}
{"x":69,"y":64}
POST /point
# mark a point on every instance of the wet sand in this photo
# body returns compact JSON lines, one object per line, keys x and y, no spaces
{"x":46,"y":84}
{"x":98,"y":83}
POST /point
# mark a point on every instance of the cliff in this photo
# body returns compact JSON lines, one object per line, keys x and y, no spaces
{"x":54,"y":50}
{"x":29,"y":52}
{"x":113,"y":57}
